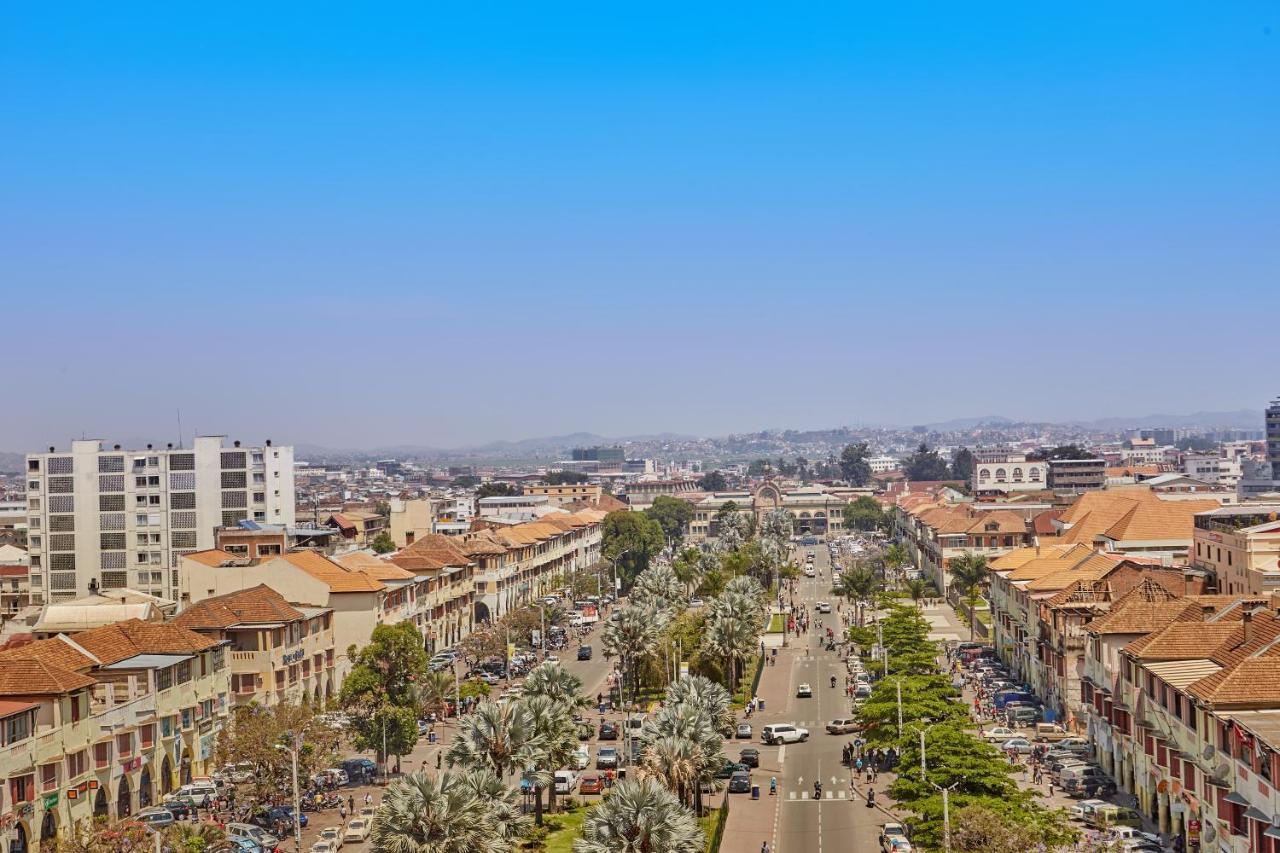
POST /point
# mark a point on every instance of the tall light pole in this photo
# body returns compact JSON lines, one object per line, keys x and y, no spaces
{"x":946,"y":814}
{"x":295,"y":744}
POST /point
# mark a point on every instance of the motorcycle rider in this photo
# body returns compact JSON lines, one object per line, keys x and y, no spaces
{"x":817,"y":789}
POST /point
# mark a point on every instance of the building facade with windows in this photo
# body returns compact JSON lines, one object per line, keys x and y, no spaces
{"x":998,"y":472}
{"x":110,"y":518}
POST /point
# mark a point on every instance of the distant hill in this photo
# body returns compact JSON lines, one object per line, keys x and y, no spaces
{"x":1238,"y":419}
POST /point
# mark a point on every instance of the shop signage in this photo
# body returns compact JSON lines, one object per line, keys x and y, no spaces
{"x":50,"y":800}
{"x":294,"y":657}
{"x":1193,"y":830}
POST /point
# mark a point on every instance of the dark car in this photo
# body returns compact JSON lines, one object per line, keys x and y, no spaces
{"x":360,"y":769}
{"x":750,"y":757}
{"x":730,"y":767}
{"x":1022,"y":715}
{"x":740,"y":783}
{"x":608,"y":731}
{"x":180,"y":807}
{"x":584,"y":653}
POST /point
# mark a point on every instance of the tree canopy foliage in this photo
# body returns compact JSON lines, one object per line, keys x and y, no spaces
{"x":673,"y":516}
{"x":713,"y":481}
{"x":631,"y":539}
{"x":854,"y":466}
{"x":925,"y":464}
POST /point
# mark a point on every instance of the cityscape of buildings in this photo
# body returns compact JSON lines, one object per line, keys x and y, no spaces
{"x":146,"y":592}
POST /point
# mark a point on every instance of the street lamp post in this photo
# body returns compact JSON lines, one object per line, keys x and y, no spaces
{"x":946,"y":814}
{"x":295,"y":744}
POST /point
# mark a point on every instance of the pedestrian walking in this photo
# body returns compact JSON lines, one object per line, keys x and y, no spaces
{"x":368,"y":797}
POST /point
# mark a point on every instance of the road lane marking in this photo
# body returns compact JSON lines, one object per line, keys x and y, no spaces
{"x":804,"y":795}
{"x":831,"y":795}
{"x":793,"y":795}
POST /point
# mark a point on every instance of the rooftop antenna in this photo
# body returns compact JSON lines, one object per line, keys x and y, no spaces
{"x":180,"y":444}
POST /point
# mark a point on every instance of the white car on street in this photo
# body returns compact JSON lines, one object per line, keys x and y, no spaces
{"x":1000,"y":733}
{"x":777,"y":733}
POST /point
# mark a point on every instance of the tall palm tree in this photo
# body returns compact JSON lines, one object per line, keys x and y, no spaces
{"x":856,"y":586}
{"x":557,"y":739}
{"x":706,"y":694}
{"x":697,"y":721}
{"x":917,"y":588}
{"x":640,"y":816}
{"x":444,"y":814}
{"x":658,"y":586}
{"x":968,"y":576}
{"x":730,"y":636}
{"x":688,"y":567}
{"x":498,"y":737}
{"x":633,"y":638}
{"x":678,"y":762}
{"x":552,"y":680}
{"x":435,"y":689}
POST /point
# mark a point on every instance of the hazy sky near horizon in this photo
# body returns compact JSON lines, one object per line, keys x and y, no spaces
{"x":443,"y":224}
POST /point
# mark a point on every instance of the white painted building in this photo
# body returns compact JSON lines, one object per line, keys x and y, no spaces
{"x":1001,"y":471}
{"x":881,"y":464}
{"x":122,"y":518}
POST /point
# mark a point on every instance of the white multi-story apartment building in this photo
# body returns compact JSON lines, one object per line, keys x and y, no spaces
{"x":882,"y":464}
{"x":108,"y":518}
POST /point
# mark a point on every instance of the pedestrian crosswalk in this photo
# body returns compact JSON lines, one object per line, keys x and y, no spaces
{"x":806,"y":795}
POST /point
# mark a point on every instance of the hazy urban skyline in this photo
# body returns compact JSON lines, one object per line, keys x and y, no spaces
{"x":444,"y":227}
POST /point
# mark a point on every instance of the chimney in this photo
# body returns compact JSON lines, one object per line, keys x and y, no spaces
{"x":115,"y":447}
{"x":169,"y":445}
{"x":268,"y":442}
{"x":148,"y":447}
{"x":1247,"y":618}
{"x":236,"y":442}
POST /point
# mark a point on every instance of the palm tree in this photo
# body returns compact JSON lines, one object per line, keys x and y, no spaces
{"x":706,"y":694}
{"x":507,"y":820}
{"x":557,"y":738}
{"x":917,"y":589}
{"x":731,"y":636}
{"x":856,"y":586}
{"x":968,"y":575}
{"x":697,"y":717}
{"x":446,"y":814}
{"x":678,"y":762}
{"x":552,"y":680}
{"x":498,"y":737}
{"x":640,"y":816}
{"x":434,"y":692}
{"x":658,"y":587}
{"x":688,"y":567}
{"x":895,"y":557}
{"x":633,"y":637}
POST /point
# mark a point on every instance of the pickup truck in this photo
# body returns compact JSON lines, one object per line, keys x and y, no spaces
{"x":1050,"y":733}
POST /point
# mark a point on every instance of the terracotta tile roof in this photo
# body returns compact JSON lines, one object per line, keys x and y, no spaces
{"x":59,"y":651}
{"x":113,"y":643}
{"x":1161,"y":520}
{"x":31,"y":677}
{"x":338,"y":577}
{"x":374,"y":567}
{"x":1092,"y":568}
{"x":1051,"y":563}
{"x":212,"y":557}
{"x":1042,"y":523}
{"x":1137,"y":614}
{"x":1250,"y":663}
{"x":1181,"y":640}
{"x":481,"y":543}
{"x":1021,"y":556}
{"x":259,"y":604}
{"x":432,"y":552}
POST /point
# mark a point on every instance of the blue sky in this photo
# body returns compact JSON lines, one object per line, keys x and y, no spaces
{"x":362,"y":224}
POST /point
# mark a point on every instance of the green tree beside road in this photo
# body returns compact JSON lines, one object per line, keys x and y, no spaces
{"x":381,"y":694}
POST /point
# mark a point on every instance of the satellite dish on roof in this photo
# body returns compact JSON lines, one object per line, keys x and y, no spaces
{"x":1222,"y":770}
{"x":1208,"y":751}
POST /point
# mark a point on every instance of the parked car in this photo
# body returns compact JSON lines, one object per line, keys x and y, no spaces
{"x":253,"y":833}
{"x":750,"y":757}
{"x":565,"y":781}
{"x":608,"y":730}
{"x":606,"y":757}
{"x":842,"y":726}
{"x":783,"y":733}
{"x":334,"y":834}
{"x":744,"y":730}
{"x":360,"y":769}
{"x":156,"y":817}
{"x":322,"y":846}
{"x":1023,"y":715}
{"x":357,"y":830}
{"x":729,"y":768}
{"x":592,"y":783}
{"x":740,"y":782}
{"x":999,"y":733}
{"x":1019,"y":744}
{"x":581,"y":757}
{"x":584,"y":653}
{"x":804,"y":691}
{"x":1105,"y":817}
{"x":1049,"y":733}
{"x":1084,"y":808}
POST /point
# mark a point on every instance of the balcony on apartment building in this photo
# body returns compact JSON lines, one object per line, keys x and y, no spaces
{"x":116,"y":706}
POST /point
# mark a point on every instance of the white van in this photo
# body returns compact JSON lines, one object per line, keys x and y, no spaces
{"x":203,"y":793}
{"x":566,"y":781}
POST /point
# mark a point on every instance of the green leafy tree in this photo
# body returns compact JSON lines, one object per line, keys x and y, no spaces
{"x":253,"y":733}
{"x":465,"y":481}
{"x":383,"y":543}
{"x":925,"y":465}
{"x":630,"y":539}
{"x":672,"y":515}
{"x":917,"y":589}
{"x":854,"y":466}
{"x":962,"y":464}
{"x":1062,"y":451}
{"x":864,"y":513}
{"x":560,"y":478}
{"x":497,"y":490}
{"x":497,"y":737}
{"x":760,"y":468}
{"x":688,"y":567}
{"x":380,"y":694}
{"x":857,"y":586}
{"x":713,"y":481}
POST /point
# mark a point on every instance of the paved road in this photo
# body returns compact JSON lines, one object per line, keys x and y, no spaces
{"x":837,"y":821}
